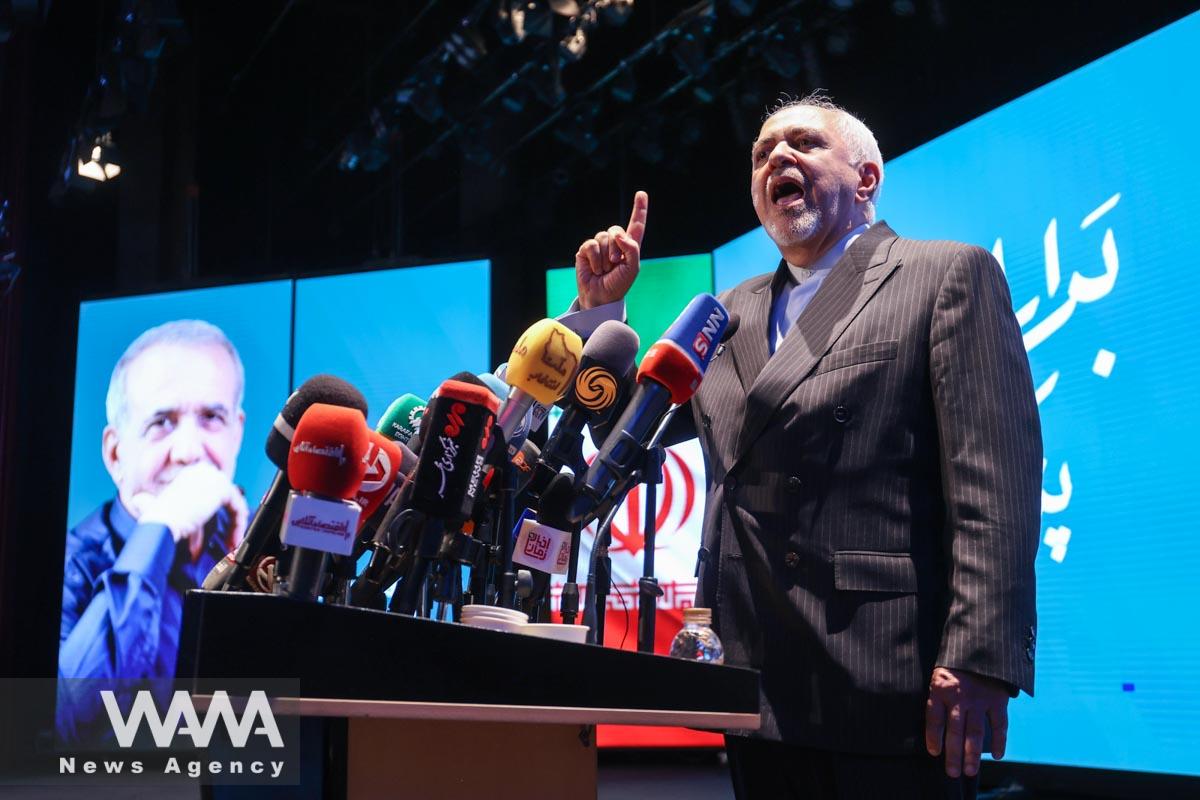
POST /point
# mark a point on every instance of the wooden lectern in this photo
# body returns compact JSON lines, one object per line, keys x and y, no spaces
{"x":424,"y":709}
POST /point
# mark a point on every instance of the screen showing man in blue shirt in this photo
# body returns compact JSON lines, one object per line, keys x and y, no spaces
{"x":175,"y":423}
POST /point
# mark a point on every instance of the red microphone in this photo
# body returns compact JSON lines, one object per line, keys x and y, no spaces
{"x":383,"y":462}
{"x":326,"y":466}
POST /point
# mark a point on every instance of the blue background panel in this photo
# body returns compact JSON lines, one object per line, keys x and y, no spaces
{"x":395,"y":331}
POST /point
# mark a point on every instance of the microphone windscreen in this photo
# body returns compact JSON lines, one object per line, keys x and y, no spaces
{"x":607,"y":357}
{"x":556,"y":503}
{"x":466,"y":387}
{"x":613,"y":344}
{"x":457,"y":428}
{"x":678,"y":360}
{"x":383,"y":462}
{"x":698,"y":328}
{"x":408,"y":459}
{"x":326,"y":457}
{"x":666,"y":363}
{"x":328,"y":389}
{"x":544,"y":361}
{"x":524,"y":461}
{"x":402,"y":419}
{"x":498,"y":387}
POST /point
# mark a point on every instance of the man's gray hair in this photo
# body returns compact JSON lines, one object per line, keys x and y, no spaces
{"x":189,"y":332}
{"x":854,"y":133}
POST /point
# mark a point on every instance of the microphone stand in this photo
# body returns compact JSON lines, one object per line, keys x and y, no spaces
{"x":648,"y":589}
{"x":650,"y":473}
{"x":508,"y":500}
{"x":570,"y":594}
{"x":599,"y":581}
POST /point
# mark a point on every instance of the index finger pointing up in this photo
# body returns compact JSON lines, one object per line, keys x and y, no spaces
{"x":637,"y":220}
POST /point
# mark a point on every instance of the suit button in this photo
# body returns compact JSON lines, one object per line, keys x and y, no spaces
{"x":1029,"y":653}
{"x":791,"y":559}
{"x":794,"y":484}
{"x":841,"y":414}
{"x":731,"y":484}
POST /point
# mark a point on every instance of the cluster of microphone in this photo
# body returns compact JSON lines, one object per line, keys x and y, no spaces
{"x":439,"y":491}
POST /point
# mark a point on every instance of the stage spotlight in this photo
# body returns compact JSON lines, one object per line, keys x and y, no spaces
{"x":467,"y":47}
{"x":742,"y":8}
{"x":578,"y":130}
{"x":614,"y":12}
{"x":421,"y":93}
{"x":779,"y":49}
{"x":101,"y":160}
{"x":515,"y":100}
{"x":647,"y":140}
{"x":545,"y":81}
{"x":624,"y":85}
{"x":515,"y":20}
{"x":838,"y":42}
{"x":574,"y":45}
{"x":690,"y":50}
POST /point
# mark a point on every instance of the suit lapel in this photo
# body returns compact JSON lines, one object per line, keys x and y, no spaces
{"x":750,"y":346}
{"x":850,"y":285}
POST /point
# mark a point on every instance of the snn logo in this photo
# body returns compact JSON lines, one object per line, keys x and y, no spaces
{"x":708,"y":333}
{"x":164,"y":729}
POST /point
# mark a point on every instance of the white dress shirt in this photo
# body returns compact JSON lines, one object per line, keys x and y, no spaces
{"x":793,"y":299}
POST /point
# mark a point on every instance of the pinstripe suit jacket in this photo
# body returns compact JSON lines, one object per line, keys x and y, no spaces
{"x":873,"y":492}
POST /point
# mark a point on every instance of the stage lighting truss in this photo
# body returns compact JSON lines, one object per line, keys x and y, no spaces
{"x":691,"y":45}
{"x":779,"y":49}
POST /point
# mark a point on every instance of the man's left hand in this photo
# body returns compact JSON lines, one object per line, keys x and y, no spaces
{"x":960,"y":704}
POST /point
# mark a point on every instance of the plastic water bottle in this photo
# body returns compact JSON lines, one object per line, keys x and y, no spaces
{"x":696,"y":640}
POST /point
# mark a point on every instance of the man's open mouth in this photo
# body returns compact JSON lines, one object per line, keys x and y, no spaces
{"x":786,"y":191}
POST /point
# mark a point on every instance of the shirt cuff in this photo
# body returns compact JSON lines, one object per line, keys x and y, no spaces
{"x":148,"y":552}
{"x":585,"y":321}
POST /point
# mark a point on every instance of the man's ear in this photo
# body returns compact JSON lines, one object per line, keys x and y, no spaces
{"x":868,"y":180}
{"x":108,"y":451}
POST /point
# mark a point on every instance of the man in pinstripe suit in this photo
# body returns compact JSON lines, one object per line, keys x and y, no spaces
{"x":874,"y":480}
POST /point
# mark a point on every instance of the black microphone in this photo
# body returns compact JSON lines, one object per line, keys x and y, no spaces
{"x":546,"y":547}
{"x":456,"y":433}
{"x":601,"y":427}
{"x":262,"y":535}
{"x":607,"y":355}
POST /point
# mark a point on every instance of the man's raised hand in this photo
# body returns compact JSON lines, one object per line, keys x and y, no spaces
{"x":606,"y":264}
{"x":195,"y":494}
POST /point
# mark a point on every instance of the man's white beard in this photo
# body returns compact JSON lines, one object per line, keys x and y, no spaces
{"x":795,"y":228}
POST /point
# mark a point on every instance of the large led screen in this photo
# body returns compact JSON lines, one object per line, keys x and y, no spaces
{"x":174,"y":396}
{"x":1081,"y":190}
